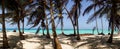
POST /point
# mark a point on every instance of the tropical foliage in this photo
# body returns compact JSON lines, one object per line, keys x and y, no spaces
{"x":107,"y":8}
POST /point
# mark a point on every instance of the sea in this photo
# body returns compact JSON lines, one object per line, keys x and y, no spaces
{"x":66,"y":31}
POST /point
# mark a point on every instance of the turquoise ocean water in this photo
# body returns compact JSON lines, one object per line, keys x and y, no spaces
{"x":66,"y":31}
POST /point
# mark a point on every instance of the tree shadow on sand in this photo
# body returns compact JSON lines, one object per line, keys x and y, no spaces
{"x":100,"y":43}
{"x":13,"y":40}
{"x":41,"y":40}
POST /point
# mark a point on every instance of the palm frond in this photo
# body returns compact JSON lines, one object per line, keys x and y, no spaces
{"x":93,"y":17}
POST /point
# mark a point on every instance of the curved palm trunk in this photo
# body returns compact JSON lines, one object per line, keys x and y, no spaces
{"x":56,"y":44}
{"x":71,"y":21}
{"x":20,"y":34}
{"x":5,"y":40}
{"x":73,"y":26}
{"x":47,"y":28}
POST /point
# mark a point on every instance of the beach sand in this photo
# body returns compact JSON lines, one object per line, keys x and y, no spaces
{"x":33,"y":41}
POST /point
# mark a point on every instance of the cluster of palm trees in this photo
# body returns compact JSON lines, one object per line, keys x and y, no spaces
{"x":107,"y":8}
{"x":38,"y":11}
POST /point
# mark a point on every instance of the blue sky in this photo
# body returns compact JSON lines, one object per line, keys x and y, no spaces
{"x":67,"y":22}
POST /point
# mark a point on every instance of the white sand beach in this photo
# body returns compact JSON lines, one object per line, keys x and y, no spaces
{"x":33,"y":41}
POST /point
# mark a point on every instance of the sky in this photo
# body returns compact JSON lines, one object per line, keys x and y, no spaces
{"x":67,"y":22}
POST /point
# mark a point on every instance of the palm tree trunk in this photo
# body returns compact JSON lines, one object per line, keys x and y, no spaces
{"x":102,"y":24}
{"x":97,"y":25}
{"x":113,"y":15}
{"x":71,"y":21}
{"x":47,"y":28}
{"x":43,"y":31}
{"x":62,"y":26}
{"x":111,"y":35}
{"x":20,"y":34}
{"x":22,"y":15}
{"x":78,"y":35}
{"x":23,"y":26}
{"x":61,"y":18}
{"x":5,"y":40}
{"x":48,"y":34}
{"x":74,"y":30}
{"x":56,"y":44}
{"x":77,"y":24}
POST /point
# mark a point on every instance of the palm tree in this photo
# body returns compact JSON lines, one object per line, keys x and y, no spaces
{"x":47,"y":28}
{"x":107,"y":8}
{"x":39,"y":15}
{"x":43,"y":26}
{"x":18,"y":7}
{"x":55,"y":40}
{"x":75,"y":11}
{"x":97,"y":25}
{"x":20,"y":15}
{"x":16,"y":20}
{"x":22,"y":5}
{"x":59,"y":6}
{"x":5,"y":40}
{"x":13,"y":5}
{"x":70,"y":16}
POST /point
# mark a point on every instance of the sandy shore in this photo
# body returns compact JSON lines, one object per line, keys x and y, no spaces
{"x":67,"y":42}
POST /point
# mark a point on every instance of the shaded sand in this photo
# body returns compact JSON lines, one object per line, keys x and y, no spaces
{"x":67,"y":42}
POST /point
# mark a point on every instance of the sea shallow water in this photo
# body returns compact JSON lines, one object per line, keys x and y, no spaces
{"x":66,"y":31}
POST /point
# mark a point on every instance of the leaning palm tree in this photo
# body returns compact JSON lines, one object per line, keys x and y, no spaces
{"x":16,"y":18}
{"x":38,"y":15}
{"x":72,"y":21}
{"x":56,"y":43}
{"x":23,"y":11}
{"x":13,"y":5}
{"x":107,"y":8}
{"x":75,"y":12}
{"x":5,"y":40}
{"x":47,"y":28}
